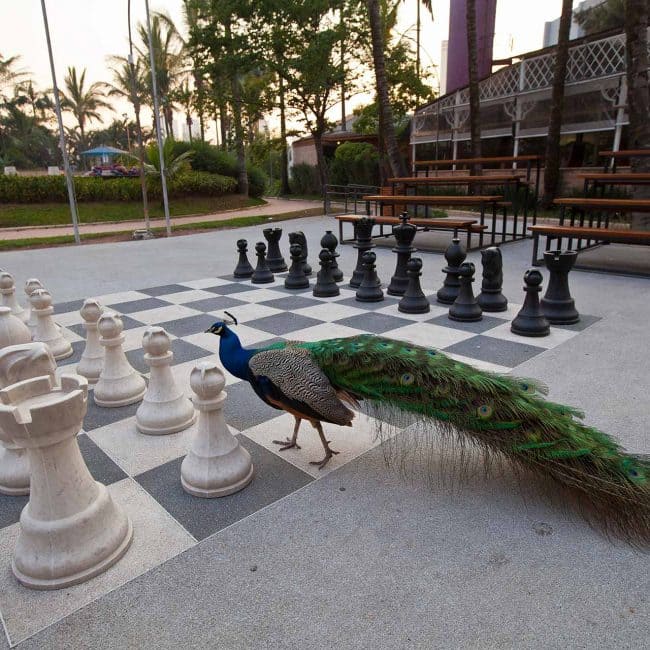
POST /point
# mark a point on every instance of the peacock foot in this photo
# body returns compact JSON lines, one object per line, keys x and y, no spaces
{"x":286,"y":444}
{"x":321,"y":463}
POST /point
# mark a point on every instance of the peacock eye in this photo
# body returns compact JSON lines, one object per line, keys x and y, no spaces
{"x":407,"y":379}
{"x":484,"y":411}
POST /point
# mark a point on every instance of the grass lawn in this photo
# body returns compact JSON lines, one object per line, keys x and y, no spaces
{"x":48,"y":214}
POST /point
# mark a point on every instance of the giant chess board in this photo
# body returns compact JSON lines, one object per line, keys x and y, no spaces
{"x":143,"y":472}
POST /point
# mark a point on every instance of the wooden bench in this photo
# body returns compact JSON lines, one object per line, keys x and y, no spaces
{"x":602,"y":180}
{"x":480,"y":201}
{"x":470,"y":226}
{"x":614,"y":156}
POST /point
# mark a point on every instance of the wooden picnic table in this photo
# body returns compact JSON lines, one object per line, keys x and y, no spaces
{"x":476,"y":201}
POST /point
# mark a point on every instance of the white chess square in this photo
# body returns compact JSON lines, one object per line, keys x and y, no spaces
{"x":120,"y":297}
{"x":187,"y":296}
{"x":248,"y":312}
{"x":555,"y":338}
{"x":329,"y":312}
{"x":203,"y":283}
{"x":392,"y":310}
{"x":429,"y":335}
{"x":164,"y":314}
{"x":322,"y":331}
{"x":258,"y":295}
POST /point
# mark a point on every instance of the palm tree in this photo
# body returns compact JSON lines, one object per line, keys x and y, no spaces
{"x":39,"y":102}
{"x":474,"y":97}
{"x":428,"y":5}
{"x":552,"y":166}
{"x":638,"y":93}
{"x":8,"y":73}
{"x":84,"y":103}
{"x":386,"y":125}
{"x":169,"y":61}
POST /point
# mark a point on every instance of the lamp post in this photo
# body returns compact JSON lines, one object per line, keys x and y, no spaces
{"x":156,"y":114}
{"x":64,"y":153}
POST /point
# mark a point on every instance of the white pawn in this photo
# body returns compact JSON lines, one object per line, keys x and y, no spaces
{"x":12,"y":329}
{"x":216,"y":464}
{"x":8,"y":292}
{"x":164,"y":408}
{"x":46,"y":329}
{"x":119,"y":384}
{"x":92,"y":359}
{"x":30,"y":286}
{"x":71,"y":529}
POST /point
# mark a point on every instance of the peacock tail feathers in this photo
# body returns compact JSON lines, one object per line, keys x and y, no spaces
{"x":502,"y":415}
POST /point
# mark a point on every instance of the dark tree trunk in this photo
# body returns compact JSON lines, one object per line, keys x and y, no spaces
{"x":474,"y":97}
{"x":638,"y":96}
{"x":138,"y":127}
{"x":223,"y":116}
{"x":242,"y":176}
{"x":552,"y":165}
{"x":386,"y":124}
{"x":320,"y":157}
{"x":284,"y":175}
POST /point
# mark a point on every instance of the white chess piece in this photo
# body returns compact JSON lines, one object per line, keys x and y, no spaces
{"x":164,"y":408}
{"x":30,"y":286}
{"x":216,"y":464}
{"x":92,"y":359}
{"x":71,"y":529}
{"x":12,"y":329}
{"x":46,"y":329}
{"x":8,"y":293}
{"x":19,"y":362}
{"x":119,"y":384}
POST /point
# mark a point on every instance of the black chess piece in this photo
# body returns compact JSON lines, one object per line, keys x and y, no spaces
{"x":466,"y":308}
{"x":325,"y":286}
{"x":262,"y":273}
{"x":404,"y":234}
{"x":530,"y":321}
{"x":330,"y":242}
{"x":370,"y":288}
{"x":243,"y":268}
{"x":414,"y":301}
{"x":363,"y":243}
{"x":296,"y":278}
{"x":298,"y":237}
{"x":455,"y":256}
{"x":491,"y":298}
{"x":557,"y":304}
{"x":274,"y":256}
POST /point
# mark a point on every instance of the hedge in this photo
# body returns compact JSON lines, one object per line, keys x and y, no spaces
{"x":53,"y":189}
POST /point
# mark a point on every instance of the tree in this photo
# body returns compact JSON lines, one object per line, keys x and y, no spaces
{"x":83,"y":102}
{"x":552,"y":165}
{"x":474,"y":94}
{"x":8,"y":73}
{"x":604,"y":16}
{"x":638,"y":94}
{"x":428,"y":5}
{"x":386,"y":123}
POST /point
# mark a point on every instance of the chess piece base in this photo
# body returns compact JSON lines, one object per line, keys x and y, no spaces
{"x":228,"y":473}
{"x":150,"y":422}
{"x":493,"y":303}
{"x":120,"y":400}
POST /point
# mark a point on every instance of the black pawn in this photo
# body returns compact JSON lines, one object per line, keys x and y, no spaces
{"x":274,"y":256}
{"x":404,"y":235}
{"x":330,"y":242}
{"x":363,"y":243}
{"x":262,"y":273}
{"x":530,"y":321}
{"x":465,"y":308}
{"x":557,"y":304}
{"x":325,"y":286}
{"x":243,"y":268}
{"x":298,"y":237}
{"x":414,"y":300}
{"x":296,"y":279}
{"x":370,"y":288}
{"x":455,"y":256}
{"x":491,"y":298}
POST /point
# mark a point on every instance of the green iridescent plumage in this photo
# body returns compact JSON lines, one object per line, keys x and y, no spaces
{"x":500,"y":414}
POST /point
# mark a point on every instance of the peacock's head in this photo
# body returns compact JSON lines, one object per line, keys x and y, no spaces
{"x":220,"y":327}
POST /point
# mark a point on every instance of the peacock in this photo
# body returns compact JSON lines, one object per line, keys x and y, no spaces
{"x":323,"y":381}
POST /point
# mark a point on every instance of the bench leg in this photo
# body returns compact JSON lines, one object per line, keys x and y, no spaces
{"x":494,"y":224}
{"x":480,"y":237}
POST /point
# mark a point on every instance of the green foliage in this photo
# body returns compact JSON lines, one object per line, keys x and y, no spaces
{"x":48,"y":189}
{"x":607,"y":15}
{"x":257,"y":180}
{"x":355,"y":163}
{"x":175,"y":163}
{"x":305,"y":179}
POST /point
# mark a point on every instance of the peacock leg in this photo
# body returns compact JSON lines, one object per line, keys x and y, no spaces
{"x":328,"y":451}
{"x":290,"y":442}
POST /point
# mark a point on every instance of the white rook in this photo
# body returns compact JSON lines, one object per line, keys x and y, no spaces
{"x":71,"y":529}
{"x":46,"y":329}
{"x":18,"y":362}
{"x":8,"y":292}
{"x":92,"y":359}
{"x":216,"y":464}
{"x":164,"y":408}
{"x":119,"y":383}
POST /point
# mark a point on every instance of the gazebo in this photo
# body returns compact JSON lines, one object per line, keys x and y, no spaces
{"x":104,"y":152}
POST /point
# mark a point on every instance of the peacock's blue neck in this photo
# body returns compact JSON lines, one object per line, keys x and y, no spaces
{"x":233,"y":356}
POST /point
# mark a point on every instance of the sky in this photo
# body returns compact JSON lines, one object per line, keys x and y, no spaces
{"x":85,"y":32}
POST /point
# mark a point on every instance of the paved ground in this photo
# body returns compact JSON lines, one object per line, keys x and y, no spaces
{"x":273,"y":206}
{"x":365,"y":558}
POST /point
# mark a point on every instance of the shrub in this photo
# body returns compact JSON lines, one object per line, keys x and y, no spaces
{"x":257,"y":181}
{"x":52,"y":189}
{"x":355,"y":163}
{"x":305,"y":179}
